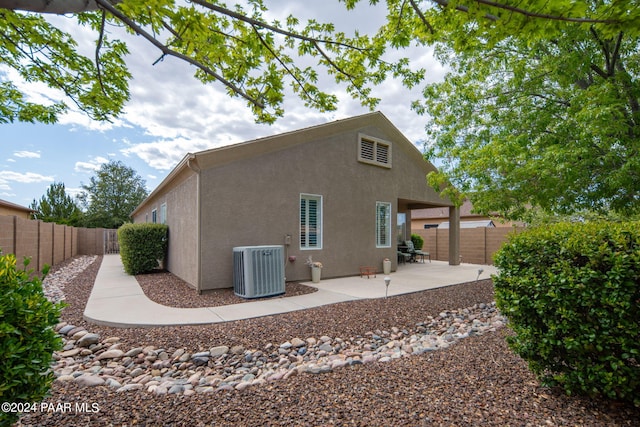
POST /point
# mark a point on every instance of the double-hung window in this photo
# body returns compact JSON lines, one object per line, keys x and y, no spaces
{"x":383,"y":225}
{"x":163,"y":213}
{"x":310,"y":221}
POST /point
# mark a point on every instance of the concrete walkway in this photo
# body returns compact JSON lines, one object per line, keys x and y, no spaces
{"x":117,"y":299}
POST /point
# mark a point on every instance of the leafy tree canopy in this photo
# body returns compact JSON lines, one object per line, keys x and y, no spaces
{"x":57,"y":206}
{"x":252,"y":57}
{"x":549,"y":121}
{"x":111,"y":195}
{"x":233,"y":46}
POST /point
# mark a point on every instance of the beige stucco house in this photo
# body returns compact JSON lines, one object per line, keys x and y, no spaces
{"x":332,"y":192}
{"x":12,"y":209}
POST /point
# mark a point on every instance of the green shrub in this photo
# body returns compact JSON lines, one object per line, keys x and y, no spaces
{"x":571,"y":293}
{"x":27,"y":336}
{"x":418,"y":241}
{"x":142,"y":246}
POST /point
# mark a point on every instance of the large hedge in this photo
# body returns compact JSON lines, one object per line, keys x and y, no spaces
{"x":27,"y":337}
{"x":571,"y":293}
{"x":142,"y":246}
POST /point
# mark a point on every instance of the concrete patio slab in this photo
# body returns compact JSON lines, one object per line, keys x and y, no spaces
{"x":118,"y":300}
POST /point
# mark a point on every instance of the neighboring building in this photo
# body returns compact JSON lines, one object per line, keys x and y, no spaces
{"x":12,"y":209}
{"x":337,"y":192}
{"x":471,"y":224}
{"x":439,"y":217}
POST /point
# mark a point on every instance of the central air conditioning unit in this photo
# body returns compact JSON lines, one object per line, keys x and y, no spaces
{"x":258,"y":271}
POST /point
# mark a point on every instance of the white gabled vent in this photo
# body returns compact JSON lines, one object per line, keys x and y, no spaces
{"x":258,"y":271}
{"x":374,"y":151}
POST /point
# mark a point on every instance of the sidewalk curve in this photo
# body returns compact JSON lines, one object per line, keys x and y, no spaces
{"x":118,"y":300}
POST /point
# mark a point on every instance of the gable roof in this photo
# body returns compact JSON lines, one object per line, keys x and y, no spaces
{"x":15,"y":206}
{"x":256,"y":147}
{"x":245,"y":150}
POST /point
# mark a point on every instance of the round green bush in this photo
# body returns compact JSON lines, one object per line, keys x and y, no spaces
{"x":418,"y":241}
{"x":142,"y":246}
{"x":27,"y":336}
{"x":571,"y":293}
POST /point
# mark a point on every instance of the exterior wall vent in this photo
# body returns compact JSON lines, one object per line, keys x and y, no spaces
{"x":258,"y":271}
{"x":374,"y":151}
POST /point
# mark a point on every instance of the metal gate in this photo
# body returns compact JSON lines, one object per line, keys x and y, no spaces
{"x":111,"y":245}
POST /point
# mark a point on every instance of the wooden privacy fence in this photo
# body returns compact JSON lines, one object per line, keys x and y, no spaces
{"x":49,"y":243}
{"x":477,"y":245}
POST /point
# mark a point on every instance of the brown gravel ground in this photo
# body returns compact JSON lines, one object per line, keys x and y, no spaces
{"x":167,"y":289}
{"x":477,"y":382}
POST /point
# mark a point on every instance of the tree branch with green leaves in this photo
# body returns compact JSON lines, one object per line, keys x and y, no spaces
{"x":223,"y":45}
{"x":253,"y":59}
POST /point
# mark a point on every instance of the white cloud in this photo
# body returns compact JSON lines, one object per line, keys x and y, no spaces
{"x":164,"y":155}
{"x":27,"y":154}
{"x":90,"y":166}
{"x":35,"y":91}
{"x":23,"y":177}
{"x":73,"y":191}
{"x":78,"y":119}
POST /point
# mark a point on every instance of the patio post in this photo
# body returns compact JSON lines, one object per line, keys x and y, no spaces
{"x":454,"y":235}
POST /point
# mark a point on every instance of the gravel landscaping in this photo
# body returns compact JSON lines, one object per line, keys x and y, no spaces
{"x":167,"y":289}
{"x":476,"y":380}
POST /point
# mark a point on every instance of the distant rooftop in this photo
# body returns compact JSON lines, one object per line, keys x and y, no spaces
{"x":10,"y":205}
{"x":437,"y":213}
{"x":470,"y":224}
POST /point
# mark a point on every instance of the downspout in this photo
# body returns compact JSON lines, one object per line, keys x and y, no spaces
{"x":192,"y":163}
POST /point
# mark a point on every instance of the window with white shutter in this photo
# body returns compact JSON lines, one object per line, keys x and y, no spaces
{"x":310,"y":221}
{"x":383,"y":225}
{"x":374,"y":151}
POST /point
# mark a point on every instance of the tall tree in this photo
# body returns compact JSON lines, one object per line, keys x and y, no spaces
{"x":112,"y":195}
{"x":552,"y":122}
{"x":57,"y":206}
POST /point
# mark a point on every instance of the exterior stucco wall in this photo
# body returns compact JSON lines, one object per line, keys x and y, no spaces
{"x":12,"y":211}
{"x":182,"y":220}
{"x":256,"y":201}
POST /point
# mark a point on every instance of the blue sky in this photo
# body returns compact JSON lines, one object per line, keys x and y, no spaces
{"x":35,"y":155}
{"x":171,"y":113}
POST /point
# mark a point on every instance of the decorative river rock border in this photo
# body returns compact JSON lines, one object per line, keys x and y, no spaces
{"x":91,"y":360}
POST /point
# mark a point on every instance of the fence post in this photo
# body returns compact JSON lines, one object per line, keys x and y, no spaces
{"x":15,"y":233}
{"x":484,"y":245}
{"x":436,"y":233}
